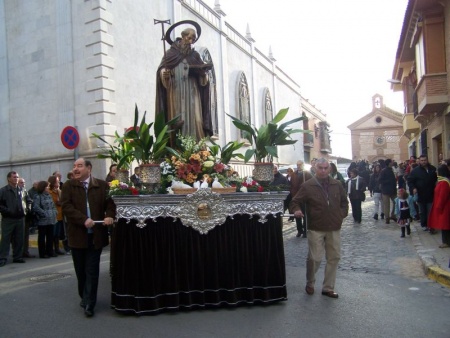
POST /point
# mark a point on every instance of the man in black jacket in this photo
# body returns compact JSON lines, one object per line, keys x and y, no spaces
{"x":388,"y":187}
{"x":12,"y":210}
{"x":278,"y":178}
{"x":422,"y":181}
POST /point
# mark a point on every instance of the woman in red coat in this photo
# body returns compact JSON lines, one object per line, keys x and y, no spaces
{"x":440,"y":211}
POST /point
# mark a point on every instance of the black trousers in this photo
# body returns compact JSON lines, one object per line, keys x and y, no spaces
{"x":45,"y":240}
{"x":87,"y":268}
{"x":301,"y":222}
{"x":445,"y":234}
{"x":356,"y":209}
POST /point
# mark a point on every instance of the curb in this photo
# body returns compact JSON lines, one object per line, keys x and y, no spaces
{"x":32,"y":243}
{"x":430,"y":267}
{"x":437,"y":274}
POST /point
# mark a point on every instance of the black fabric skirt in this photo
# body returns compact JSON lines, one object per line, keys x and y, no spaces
{"x":168,"y":266}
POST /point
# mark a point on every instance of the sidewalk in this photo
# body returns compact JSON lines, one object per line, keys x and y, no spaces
{"x":435,"y":261}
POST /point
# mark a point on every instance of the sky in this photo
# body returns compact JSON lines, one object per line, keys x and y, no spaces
{"x":341,"y":53}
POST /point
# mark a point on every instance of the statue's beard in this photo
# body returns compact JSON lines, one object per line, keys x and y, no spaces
{"x":185,"y":48}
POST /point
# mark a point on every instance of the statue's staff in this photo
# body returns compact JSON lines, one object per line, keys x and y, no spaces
{"x":163,"y":38}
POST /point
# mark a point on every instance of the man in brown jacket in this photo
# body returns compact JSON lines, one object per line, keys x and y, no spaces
{"x":326,"y":206}
{"x":84,"y":200}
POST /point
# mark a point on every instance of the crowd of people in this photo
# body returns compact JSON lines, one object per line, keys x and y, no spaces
{"x":23,"y":211}
{"x":61,"y":212}
{"x":318,"y":200}
{"x":412,"y":190}
{"x":411,"y":187}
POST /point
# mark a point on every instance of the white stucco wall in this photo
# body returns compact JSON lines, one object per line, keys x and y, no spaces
{"x":87,"y":63}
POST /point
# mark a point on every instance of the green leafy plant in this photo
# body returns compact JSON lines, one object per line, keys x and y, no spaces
{"x":268,"y":137}
{"x":148,"y":147}
{"x":227,"y":152}
{"x":120,"y":152}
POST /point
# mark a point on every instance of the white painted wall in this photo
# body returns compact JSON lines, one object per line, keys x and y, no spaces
{"x":50,"y":76}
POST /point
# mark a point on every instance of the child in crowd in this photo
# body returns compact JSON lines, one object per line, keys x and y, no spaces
{"x":405,"y":210}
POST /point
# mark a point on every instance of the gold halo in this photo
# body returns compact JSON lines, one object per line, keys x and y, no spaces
{"x":190,"y":22}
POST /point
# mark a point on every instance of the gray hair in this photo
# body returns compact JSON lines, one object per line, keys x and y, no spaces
{"x":321,"y":160}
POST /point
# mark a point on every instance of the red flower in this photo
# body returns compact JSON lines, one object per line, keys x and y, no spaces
{"x":134,"y":191}
{"x":195,"y":166}
{"x":218,"y":167}
{"x":260,"y":188}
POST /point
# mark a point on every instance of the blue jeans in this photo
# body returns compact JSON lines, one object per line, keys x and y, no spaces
{"x":87,"y":267}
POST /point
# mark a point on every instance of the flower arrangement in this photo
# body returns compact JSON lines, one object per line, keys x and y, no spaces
{"x":117,"y":188}
{"x":250,"y":185}
{"x":192,"y":162}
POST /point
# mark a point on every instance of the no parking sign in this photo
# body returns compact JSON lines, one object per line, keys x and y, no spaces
{"x":70,"y":137}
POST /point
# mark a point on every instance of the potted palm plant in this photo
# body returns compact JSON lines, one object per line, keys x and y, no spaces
{"x":265,"y":141}
{"x":120,"y":153}
{"x":227,"y":152}
{"x":150,"y":149}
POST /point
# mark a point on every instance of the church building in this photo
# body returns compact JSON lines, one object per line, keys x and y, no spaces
{"x":379,"y":134}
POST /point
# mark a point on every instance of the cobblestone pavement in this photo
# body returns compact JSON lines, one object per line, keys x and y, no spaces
{"x":370,"y":247}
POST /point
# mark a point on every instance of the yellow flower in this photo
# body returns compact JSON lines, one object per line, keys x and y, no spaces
{"x":191,"y":178}
{"x":195,"y":157}
{"x":205,"y":154}
{"x":114,"y":183}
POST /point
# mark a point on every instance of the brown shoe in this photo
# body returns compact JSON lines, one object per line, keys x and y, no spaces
{"x":309,"y":290}
{"x":330,"y":294}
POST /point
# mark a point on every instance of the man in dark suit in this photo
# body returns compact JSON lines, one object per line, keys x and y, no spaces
{"x":135,"y":179}
{"x":12,"y":210}
{"x":84,"y":200}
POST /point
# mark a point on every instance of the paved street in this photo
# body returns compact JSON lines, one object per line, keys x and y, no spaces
{"x":375,"y":247}
{"x":381,"y":282}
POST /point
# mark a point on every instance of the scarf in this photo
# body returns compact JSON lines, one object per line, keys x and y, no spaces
{"x":443,"y":179}
{"x":349,"y":188}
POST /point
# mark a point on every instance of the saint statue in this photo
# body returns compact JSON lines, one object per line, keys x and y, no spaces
{"x":183,"y":87}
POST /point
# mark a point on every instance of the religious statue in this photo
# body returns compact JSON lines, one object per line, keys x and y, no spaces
{"x":183,"y":85}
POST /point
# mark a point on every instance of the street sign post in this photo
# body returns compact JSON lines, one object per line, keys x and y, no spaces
{"x":70,"y":137}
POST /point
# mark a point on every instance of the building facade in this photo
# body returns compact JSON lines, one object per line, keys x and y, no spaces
{"x":317,"y":143}
{"x":379,"y":134}
{"x":420,"y":72}
{"x":86,"y":63}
